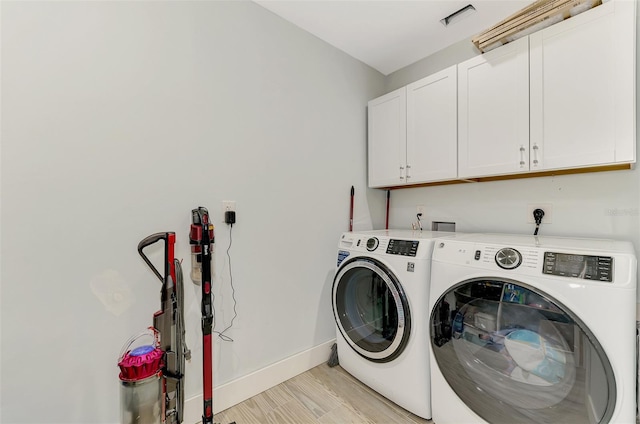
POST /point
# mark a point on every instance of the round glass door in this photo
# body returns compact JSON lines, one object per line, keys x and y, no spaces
{"x":371,"y":309}
{"x":514,"y":354}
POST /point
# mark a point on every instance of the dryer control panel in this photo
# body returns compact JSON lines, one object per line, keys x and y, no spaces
{"x":402,"y":247}
{"x":587,"y":267}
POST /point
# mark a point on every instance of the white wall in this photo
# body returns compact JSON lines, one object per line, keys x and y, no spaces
{"x":117,"y":119}
{"x":605,"y":205}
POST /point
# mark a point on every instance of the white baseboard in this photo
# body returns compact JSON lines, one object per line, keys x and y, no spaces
{"x":243,"y":388}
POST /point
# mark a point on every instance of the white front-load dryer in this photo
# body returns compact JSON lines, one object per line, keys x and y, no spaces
{"x":380,"y":303}
{"x":528,"y":329}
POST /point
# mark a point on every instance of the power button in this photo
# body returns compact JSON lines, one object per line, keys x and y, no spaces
{"x":477,"y":256}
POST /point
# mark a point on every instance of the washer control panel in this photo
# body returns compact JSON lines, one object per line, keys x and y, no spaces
{"x":587,"y":267}
{"x":402,"y":247}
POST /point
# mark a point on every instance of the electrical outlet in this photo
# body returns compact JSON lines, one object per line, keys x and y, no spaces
{"x":546,"y":207}
{"x":228,"y":205}
{"x":421,"y":209}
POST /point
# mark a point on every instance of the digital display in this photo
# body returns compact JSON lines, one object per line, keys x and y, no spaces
{"x":402,"y":247}
{"x":578,"y":266}
{"x":574,"y":265}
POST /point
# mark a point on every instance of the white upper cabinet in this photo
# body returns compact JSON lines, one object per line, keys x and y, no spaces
{"x":387,"y":122}
{"x":582,"y":74}
{"x":493,"y":112}
{"x":431,"y":128}
{"x":561,"y":98}
{"x":412,"y":133}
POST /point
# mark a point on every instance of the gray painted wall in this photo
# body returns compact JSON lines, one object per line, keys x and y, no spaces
{"x":438,"y":61}
{"x":118,"y":118}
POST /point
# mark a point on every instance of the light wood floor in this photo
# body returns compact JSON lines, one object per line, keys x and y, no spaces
{"x":321,"y":395}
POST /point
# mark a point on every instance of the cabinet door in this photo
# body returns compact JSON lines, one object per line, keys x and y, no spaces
{"x":388,"y":139}
{"x":583,"y":89}
{"x":431,"y":128}
{"x":493,"y":112}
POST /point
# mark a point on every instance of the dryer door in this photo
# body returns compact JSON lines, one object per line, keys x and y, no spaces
{"x":514,"y":354}
{"x":371,"y":309}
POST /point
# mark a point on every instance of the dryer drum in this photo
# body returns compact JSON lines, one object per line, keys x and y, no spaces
{"x":371,"y":309}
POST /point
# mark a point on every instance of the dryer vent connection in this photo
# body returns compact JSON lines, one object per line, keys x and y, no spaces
{"x":443,"y":226}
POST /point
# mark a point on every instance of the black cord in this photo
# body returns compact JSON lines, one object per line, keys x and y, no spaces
{"x":233,"y":295}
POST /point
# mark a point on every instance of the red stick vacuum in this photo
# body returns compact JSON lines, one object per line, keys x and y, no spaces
{"x":386,"y":227}
{"x":201,"y":239}
{"x":351,"y":209}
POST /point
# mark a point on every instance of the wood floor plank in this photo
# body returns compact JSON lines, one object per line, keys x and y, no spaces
{"x":344,"y":415}
{"x":246,"y":412}
{"x":322,"y":395}
{"x":315,"y":396}
{"x":367,"y":401}
{"x":293,"y":412}
{"x":270,"y":399}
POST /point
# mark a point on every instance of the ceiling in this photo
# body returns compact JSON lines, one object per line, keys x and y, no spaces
{"x":388,"y":35}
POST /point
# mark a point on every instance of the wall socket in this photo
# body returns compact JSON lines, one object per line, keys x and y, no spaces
{"x":546,"y":207}
{"x":228,"y":205}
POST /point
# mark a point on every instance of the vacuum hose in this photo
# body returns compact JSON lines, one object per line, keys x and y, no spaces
{"x":180,"y":332}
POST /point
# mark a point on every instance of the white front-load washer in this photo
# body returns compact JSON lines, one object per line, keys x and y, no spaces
{"x":380,"y":303}
{"x":528,"y":329}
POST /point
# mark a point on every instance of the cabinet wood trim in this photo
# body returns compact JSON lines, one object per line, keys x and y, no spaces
{"x":617,"y":167}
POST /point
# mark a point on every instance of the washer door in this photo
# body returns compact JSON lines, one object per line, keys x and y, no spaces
{"x":371,"y":309}
{"x":514,"y":354}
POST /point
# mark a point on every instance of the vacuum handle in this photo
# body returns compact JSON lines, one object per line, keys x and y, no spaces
{"x":148,"y":241}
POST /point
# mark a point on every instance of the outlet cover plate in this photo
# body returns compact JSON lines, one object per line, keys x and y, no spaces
{"x":228,"y":205}
{"x":548,"y":212}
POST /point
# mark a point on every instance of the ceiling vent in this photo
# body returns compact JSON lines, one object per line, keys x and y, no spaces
{"x":458,"y":15}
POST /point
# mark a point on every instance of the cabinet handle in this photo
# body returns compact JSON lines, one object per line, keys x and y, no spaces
{"x":535,"y":155}
{"x":401,"y":168}
{"x":521,"y":156}
{"x":408,"y":168}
